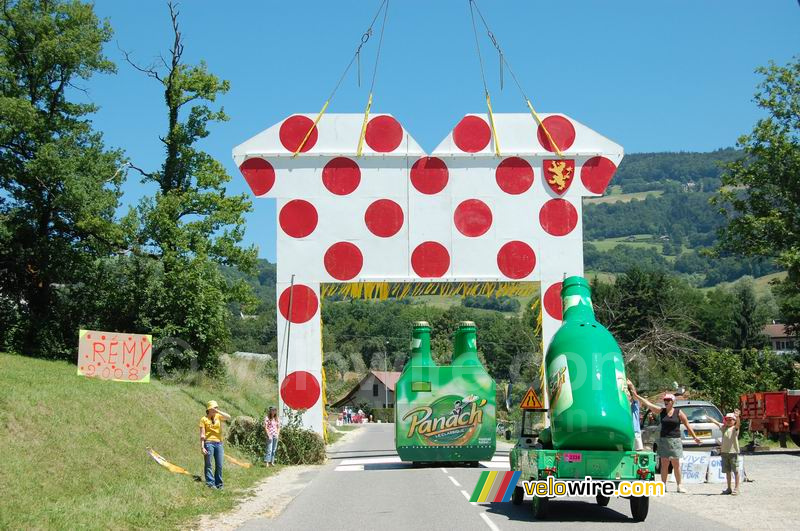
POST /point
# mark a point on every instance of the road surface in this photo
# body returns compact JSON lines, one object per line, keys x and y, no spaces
{"x":365,"y":486}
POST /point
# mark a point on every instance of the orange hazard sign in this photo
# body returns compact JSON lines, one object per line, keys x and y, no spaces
{"x":531,"y":400}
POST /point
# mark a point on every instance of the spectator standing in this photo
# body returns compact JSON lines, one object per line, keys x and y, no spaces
{"x":211,"y":443}
{"x":272,"y":427}
{"x":730,"y":448}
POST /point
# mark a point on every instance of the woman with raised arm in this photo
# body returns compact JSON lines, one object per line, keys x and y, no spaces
{"x":211,"y":443}
{"x":670,"y":447}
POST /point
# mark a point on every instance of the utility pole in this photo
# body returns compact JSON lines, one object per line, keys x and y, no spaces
{"x":386,"y":374}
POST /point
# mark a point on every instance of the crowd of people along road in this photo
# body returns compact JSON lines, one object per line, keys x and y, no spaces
{"x":348,"y":416}
{"x":670,"y":446}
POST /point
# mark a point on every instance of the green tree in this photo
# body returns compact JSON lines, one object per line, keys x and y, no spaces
{"x":191,"y":224}
{"x":722,"y":378}
{"x":746,"y":330}
{"x":761,"y":190}
{"x":60,"y":184}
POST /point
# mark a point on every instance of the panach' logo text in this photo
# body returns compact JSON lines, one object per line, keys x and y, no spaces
{"x":423,"y":424}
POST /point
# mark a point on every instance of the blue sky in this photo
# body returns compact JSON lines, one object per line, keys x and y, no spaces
{"x":653,"y":76}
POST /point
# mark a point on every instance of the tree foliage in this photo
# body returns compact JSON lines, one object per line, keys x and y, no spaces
{"x":761,"y":193}
{"x":60,"y":184}
{"x":191,"y":225}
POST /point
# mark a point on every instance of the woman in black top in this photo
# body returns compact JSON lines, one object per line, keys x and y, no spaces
{"x":670,"y":447}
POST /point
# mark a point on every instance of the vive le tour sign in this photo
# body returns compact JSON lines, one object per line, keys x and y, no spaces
{"x":115,"y":356}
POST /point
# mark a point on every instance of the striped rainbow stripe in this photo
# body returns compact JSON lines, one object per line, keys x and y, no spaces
{"x":494,"y":486}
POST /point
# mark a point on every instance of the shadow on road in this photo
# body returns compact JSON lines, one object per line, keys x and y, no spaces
{"x":561,"y":511}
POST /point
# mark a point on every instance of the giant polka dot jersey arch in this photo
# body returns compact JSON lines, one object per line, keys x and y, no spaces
{"x":458,"y":213}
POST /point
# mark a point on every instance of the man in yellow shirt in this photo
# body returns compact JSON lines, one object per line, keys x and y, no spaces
{"x":211,"y":443}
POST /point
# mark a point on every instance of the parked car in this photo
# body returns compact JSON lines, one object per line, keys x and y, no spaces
{"x":697,"y":412}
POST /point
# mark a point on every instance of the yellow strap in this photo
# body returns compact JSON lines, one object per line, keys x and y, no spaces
{"x":364,"y":127}
{"x":546,"y":132}
{"x":308,"y":134}
{"x":491,"y":122}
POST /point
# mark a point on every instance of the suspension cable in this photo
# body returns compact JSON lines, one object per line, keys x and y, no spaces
{"x":503,"y":61}
{"x":355,"y":59}
{"x":372,"y":84}
{"x":483,"y":78}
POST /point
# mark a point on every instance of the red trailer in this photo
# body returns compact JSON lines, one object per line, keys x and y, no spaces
{"x":775,"y":412}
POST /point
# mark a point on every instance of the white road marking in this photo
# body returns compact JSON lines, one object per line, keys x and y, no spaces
{"x":489,"y":522}
{"x":466,"y":495}
{"x":444,"y":470}
{"x":456,"y":483}
{"x":349,"y":468}
{"x":497,"y":465}
{"x":371,"y":460}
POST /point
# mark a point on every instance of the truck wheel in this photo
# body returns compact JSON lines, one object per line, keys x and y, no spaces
{"x":517,"y":496}
{"x":795,"y":438}
{"x":540,"y":507}
{"x":602,"y":501}
{"x":640,"y":505}
{"x":782,"y":439}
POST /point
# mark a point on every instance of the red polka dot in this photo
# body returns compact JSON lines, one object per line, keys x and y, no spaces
{"x":298,"y":218}
{"x":429,"y":175}
{"x":343,"y":260}
{"x":304,"y":303}
{"x":341,"y":176}
{"x":300,"y":390}
{"x":103,"y":337}
{"x":473,"y":218}
{"x":293,"y":131}
{"x":472,"y":134}
{"x":384,"y":218}
{"x":596,"y":173}
{"x":560,"y":129}
{"x":383,"y":134}
{"x":516,"y":259}
{"x":514,"y":175}
{"x":552,"y":301}
{"x":430,"y":260}
{"x":558,"y":217}
{"x":259,"y":174}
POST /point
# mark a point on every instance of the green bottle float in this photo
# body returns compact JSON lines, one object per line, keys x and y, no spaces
{"x":445,"y":413}
{"x":589,"y":409}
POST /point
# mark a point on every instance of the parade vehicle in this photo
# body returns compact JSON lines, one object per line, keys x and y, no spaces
{"x":445,"y":413}
{"x":773,"y":413}
{"x":591,"y":427}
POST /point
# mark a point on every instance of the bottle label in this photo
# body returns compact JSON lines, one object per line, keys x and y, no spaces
{"x":559,"y":386}
{"x":415,"y":343}
{"x":574,"y":300}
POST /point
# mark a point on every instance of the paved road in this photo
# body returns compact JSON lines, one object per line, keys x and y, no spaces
{"x":366,"y":487}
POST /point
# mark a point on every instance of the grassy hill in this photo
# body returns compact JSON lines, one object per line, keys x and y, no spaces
{"x":75,"y":447}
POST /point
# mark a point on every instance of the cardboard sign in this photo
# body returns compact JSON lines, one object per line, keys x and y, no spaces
{"x":531,"y":400}
{"x":715,"y":473}
{"x":694,"y":467}
{"x":115,"y":356}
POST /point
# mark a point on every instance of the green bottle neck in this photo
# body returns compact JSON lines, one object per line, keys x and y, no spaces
{"x":465,"y":347}
{"x":576,"y":298}
{"x":421,"y":348}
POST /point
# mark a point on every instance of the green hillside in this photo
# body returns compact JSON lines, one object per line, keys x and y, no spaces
{"x":75,"y":448}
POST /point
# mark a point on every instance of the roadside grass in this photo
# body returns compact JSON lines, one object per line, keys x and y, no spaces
{"x":337,"y":432}
{"x":75,"y":448}
{"x":621,"y":198}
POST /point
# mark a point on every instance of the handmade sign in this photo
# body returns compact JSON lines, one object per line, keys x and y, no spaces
{"x":715,"y":473}
{"x":115,"y":356}
{"x":396,"y":214}
{"x":694,"y":467}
